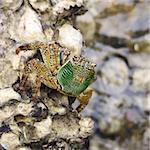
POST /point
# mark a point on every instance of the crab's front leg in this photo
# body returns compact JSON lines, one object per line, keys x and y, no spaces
{"x":28,"y":47}
{"x":84,"y":99}
{"x":36,"y":72}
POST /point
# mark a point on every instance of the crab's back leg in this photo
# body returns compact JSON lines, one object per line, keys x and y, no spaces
{"x":50,"y":53}
{"x":84,"y":98}
{"x":24,"y":83}
{"x":43,"y":47}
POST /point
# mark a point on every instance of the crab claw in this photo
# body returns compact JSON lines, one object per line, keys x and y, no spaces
{"x":18,"y":50}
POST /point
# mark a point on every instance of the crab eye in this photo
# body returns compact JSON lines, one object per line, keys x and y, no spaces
{"x":75,"y":58}
{"x":93,"y":65}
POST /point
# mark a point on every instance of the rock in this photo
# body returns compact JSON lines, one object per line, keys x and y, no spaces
{"x":114,"y":75}
{"x":14,"y":5}
{"x":121,"y":24}
{"x":30,"y":28}
{"x":96,"y":6}
{"x":54,"y":107}
{"x":8,"y":94}
{"x":42,"y":6}
{"x":116,"y":114}
{"x":60,"y":6}
{"x":72,"y":129}
{"x":43,"y":127}
{"x":135,"y":115}
{"x":136,"y":60}
{"x":141,"y":79}
{"x":23,"y":148}
{"x":7,"y":112}
{"x":120,"y":104}
{"x":87,"y":26}
{"x":140,"y":45}
{"x":123,"y":115}
{"x":10,"y":141}
{"x":45,"y":124}
{"x":7,"y":75}
{"x":25,"y":108}
{"x":70,"y":38}
{"x":14,"y":59}
{"x":142,"y":100}
{"x":86,"y":126}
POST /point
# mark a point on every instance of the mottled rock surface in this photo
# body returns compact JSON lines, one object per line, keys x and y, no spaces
{"x":118,"y":39}
{"x":49,"y":124}
{"x":120,"y":105}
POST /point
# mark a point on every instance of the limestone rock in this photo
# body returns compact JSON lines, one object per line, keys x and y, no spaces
{"x":71,"y":38}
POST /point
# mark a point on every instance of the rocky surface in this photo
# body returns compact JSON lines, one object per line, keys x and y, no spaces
{"x":117,"y":37}
{"x":120,"y":46}
{"x":48,"y":124}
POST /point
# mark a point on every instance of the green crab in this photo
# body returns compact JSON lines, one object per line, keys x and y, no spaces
{"x":68,"y":75}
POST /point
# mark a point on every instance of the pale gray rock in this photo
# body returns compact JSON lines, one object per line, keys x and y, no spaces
{"x":14,"y":5}
{"x":10,"y":141}
{"x":7,"y":75}
{"x":71,"y":38}
{"x":40,"y":5}
{"x":8,"y":94}
{"x":29,"y":27}
{"x":22,"y":121}
{"x":61,"y":6}
{"x":141,"y":79}
{"x":87,"y":26}
{"x":121,"y":101}
{"x":140,"y":60}
{"x":114,"y":75}
{"x":121,"y":24}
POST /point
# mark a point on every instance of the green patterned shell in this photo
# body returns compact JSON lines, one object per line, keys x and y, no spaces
{"x":74,"y":79}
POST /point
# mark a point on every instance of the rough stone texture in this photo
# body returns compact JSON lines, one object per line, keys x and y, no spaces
{"x":71,"y":38}
{"x":30,"y":28}
{"x":6,"y":94}
{"x":25,"y":125}
{"x":120,"y":105}
{"x":117,"y":33}
{"x":9,"y":140}
{"x":7,"y":75}
{"x":87,"y":26}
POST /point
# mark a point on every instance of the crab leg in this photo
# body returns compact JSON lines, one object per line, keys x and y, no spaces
{"x":84,"y":99}
{"x":50,"y":53}
{"x":24,"y":83}
{"x":28,"y":47}
{"x":36,"y":89}
{"x":38,"y":73}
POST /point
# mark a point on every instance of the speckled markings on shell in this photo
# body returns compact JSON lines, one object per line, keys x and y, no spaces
{"x":74,"y":79}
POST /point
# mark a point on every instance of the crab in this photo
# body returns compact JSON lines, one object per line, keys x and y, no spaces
{"x":70,"y":75}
